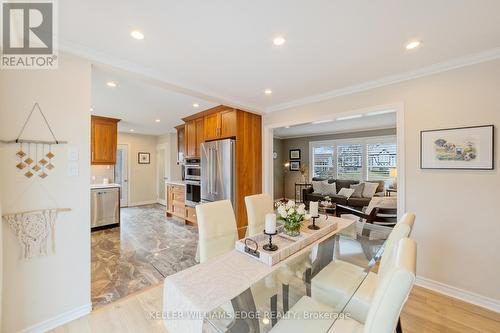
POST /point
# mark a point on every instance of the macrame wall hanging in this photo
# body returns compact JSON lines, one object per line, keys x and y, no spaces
{"x":34,"y":228}
{"x":35,"y":156}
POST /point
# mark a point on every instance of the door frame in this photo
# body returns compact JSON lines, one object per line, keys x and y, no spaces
{"x":166,"y":148}
{"x":128,"y":172}
{"x":267,"y":146}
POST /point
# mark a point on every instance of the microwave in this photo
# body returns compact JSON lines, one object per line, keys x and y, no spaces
{"x":192,"y":169}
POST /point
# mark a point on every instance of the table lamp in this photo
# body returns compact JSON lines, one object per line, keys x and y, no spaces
{"x":393,"y":173}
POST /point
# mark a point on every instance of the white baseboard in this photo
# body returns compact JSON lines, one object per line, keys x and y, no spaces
{"x":142,"y":203}
{"x":59,"y":320}
{"x":464,"y":295}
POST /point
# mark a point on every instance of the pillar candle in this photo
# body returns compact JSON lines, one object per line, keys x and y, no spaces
{"x":270,"y":223}
{"x":313,"y":208}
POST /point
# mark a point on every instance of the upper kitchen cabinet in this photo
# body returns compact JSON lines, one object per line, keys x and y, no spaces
{"x":181,"y":143}
{"x":104,"y":137}
{"x":194,"y":137}
{"x":220,"y":124}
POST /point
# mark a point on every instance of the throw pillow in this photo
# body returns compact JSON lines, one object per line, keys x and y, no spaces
{"x":358,"y":190}
{"x":329,"y":189}
{"x":346,"y":192}
{"x":317,"y":186}
{"x":369,"y":189}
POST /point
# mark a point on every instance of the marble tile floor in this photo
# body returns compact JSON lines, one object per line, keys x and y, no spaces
{"x":142,"y":252}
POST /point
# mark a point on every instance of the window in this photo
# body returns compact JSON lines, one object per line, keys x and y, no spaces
{"x":322,"y":161}
{"x":356,"y":159}
{"x":350,"y":161}
{"x":382,"y":157}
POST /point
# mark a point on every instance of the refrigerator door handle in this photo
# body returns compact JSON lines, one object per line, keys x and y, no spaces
{"x":209,"y":170}
{"x":213,"y":174}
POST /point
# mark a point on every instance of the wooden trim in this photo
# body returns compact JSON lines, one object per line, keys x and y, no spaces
{"x":107,"y":119}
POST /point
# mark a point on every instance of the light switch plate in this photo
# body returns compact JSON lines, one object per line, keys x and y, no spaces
{"x":73,"y":169}
{"x":72,"y":154}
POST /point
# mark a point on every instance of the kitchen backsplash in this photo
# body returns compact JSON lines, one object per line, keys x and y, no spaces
{"x":99,"y":172}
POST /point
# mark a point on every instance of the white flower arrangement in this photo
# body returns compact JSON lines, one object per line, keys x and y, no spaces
{"x":292,"y":215}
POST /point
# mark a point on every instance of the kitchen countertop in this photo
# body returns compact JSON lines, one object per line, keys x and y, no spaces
{"x":175,"y":182}
{"x":96,"y":186}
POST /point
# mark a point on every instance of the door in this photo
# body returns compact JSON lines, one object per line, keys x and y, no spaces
{"x":121,"y":173}
{"x":163,"y":172}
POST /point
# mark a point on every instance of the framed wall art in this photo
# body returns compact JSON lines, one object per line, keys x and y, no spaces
{"x":294,"y":154}
{"x":294,"y":165}
{"x":458,"y":148}
{"x":144,"y":158}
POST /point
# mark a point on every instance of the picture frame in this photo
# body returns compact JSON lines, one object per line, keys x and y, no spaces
{"x":294,"y":154}
{"x":458,"y":148}
{"x":294,"y":166}
{"x":144,"y":158}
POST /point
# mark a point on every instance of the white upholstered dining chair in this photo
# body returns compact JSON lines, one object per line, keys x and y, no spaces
{"x":326,"y":286}
{"x":389,"y":297}
{"x":257,"y":207}
{"x":217,"y":229}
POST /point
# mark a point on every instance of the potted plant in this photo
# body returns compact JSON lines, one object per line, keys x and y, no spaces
{"x":292,"y":216}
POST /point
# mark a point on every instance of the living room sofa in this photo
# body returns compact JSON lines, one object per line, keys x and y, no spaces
{"x":309,"y":195}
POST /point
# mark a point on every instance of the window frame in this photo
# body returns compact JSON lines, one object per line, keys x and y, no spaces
{"x":363,"y":141}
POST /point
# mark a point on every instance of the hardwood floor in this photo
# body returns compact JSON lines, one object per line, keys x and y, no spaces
{"x":425,"y":312}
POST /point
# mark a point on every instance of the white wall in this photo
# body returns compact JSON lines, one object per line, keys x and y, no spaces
{"x":457,"y":224}
{"x":142,"y":177}
{"x":43,"y":288}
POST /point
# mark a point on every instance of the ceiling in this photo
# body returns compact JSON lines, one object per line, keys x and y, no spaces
{"x":139,"y":104}
{"x":365,"y":123}
{"x":223,"y":52}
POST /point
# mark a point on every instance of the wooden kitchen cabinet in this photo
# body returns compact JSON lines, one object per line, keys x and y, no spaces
{"x":181,"y":143}
{"x":194,"y":137}
{"x":220,"y":125}
{"x":200,"y":137}
{"x":211,"y":126}
{"x":103,"y":140}
{"x":176,"y":201}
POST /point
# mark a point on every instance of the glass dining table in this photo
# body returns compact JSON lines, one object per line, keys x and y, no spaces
{"x":293,"y":297}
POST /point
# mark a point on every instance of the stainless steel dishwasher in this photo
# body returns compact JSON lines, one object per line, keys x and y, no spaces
{"x":105,"y":203}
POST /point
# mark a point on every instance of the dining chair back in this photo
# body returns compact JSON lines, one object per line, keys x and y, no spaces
{"x":393,"y":289}
{"x":401,"y":230}
{"x":216,"y":229}
{"x":257,"y":207}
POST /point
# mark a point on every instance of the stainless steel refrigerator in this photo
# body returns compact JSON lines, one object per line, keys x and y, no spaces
{"x":217,"y":171}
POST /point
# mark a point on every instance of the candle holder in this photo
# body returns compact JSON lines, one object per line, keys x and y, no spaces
{"x":313,"y":226}
{"x":270,"y":246}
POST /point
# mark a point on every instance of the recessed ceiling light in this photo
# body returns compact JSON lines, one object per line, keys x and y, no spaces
{"x":413,"y":45}
{"x":322,"y":121}
{"x":350,"y":117}
{"x":287,"y":126}
{"x":195,"y":105}
{"x":278,"y":41}
{"x":268,"y":91}
{"x":111,"y":84}
{"x":132,"y":130}
{"x":137,"y":34}
{"x":157,"y":120}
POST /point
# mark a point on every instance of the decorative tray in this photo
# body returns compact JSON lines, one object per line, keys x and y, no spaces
{"x":287,"y":245}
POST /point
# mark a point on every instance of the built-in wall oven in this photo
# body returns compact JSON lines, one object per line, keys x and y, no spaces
{"x":192,"y":176}
{"x":192,"y":169}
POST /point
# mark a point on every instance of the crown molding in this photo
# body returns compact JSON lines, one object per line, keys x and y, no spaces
{"x":426,"y":71}
{"x":149,"y":75}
